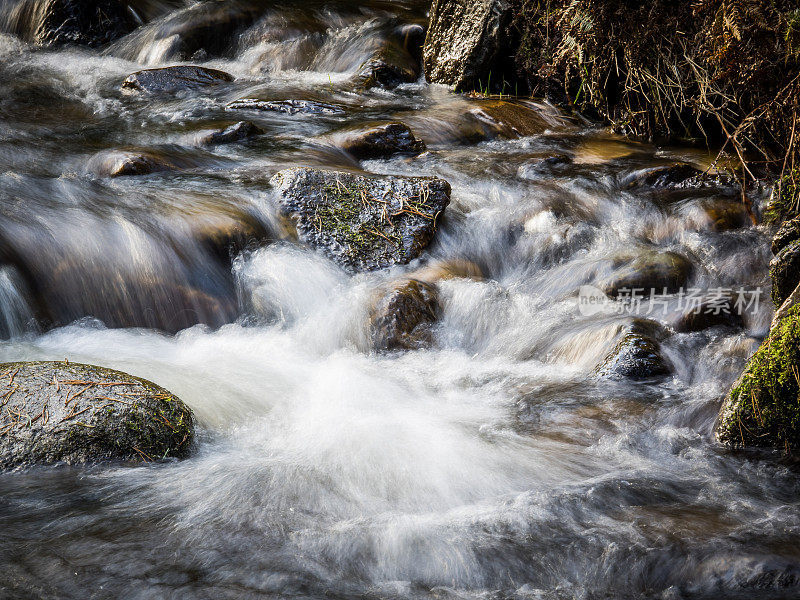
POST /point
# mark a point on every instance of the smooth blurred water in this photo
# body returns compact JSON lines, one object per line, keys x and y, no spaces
{"x":494,"y":465}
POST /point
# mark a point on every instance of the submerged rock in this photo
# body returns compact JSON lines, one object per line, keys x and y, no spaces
{"x":74,"y":413}
{"x":362,"y":222}
{"x":169,"y":80}
{"x":719,"y":312}
{"x":762,"y":408}
{"x":380,"y":141}
{"x":291,"y":107}
{"x":403,"y":317}
{"x":237,"y":132}
{"x":465,"y":42}
{"x":133,"y":162}
{"x":650,"y":271}
{"x":120,"y":163}
{"x":207,"y":28}
{"x":784,"y":269}
{"x":389,"y":67}
{"x":79,"y":22}
{"x":681,"y":176}
{"x":788,"y":232}
{"x":637,"y":355}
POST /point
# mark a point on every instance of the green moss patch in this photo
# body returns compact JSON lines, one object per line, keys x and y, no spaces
{"x":763,"y":407}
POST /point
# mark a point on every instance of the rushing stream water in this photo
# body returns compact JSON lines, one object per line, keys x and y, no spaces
{"x":494,"y":465}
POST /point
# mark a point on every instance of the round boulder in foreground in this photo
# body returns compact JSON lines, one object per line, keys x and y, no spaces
{"x":68,"y":412}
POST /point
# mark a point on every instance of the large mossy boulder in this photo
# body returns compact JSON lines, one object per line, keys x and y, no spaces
{"x":762,"y":408}
{"x":68,"y":22}
{"x":53,"y":412}
{"x":362,"y":222}
{"x":466,"y":42}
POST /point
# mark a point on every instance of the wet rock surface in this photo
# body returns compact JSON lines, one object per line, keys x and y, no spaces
{"x":238,"y":132}
{"x":380,"y":141}
{"x":391,"y":66}
{"x":788,"y":232}
{"x":403,"y":317}
{"x":649,"y":272}
{"x":680,"y":176}
{"x":170,"y":80}
{"x":362,"y":223}
{"x":69,"y":22}
{"x":290,"y":107}
{"x":129,"y":163}
{"x":68,"y":412}
{"x":637,"y":356}
{"x":207,"y":28}
{"x":784,"y":269}
{"x":718,"y":312}
{"x":465,"y":42}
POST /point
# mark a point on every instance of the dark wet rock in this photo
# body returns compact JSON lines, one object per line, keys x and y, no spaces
{"x":403,"y":317}
{"x":762,"y":408}
{"x":465,"y":42}
{"x":411,"y":37}
{"x":680,"y":176}
{"x":225,"y":230}
{"x":291,"y":107}
{"x":788,"y":232}
{"x":380,"y":141}
{"x":391,"y":66}
{"x":238,"y":132}
{"x":535,"y":168}
{"x":710,"y":312}
{"x":362,"y":222}
{"x":169,"y":80}
{"x":720,"y":214}
{"x":637,"y":355}
{"x":784,"y":269}
{"x":74,"y":413}
{"x":120,"y":163}
{"x":649,"y":272}
{"x":75,"y":22}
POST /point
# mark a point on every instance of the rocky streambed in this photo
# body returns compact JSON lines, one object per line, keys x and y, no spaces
{"x":359,"y":336}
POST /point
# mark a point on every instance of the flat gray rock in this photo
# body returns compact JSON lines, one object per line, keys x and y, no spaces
{"x":68,"y":412}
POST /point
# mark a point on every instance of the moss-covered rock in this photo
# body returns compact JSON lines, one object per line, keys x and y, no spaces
{"x":784,"y":269}
{"x":67,"y":412}
{"x":763,"y":406}
{"x":362,"y":222}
